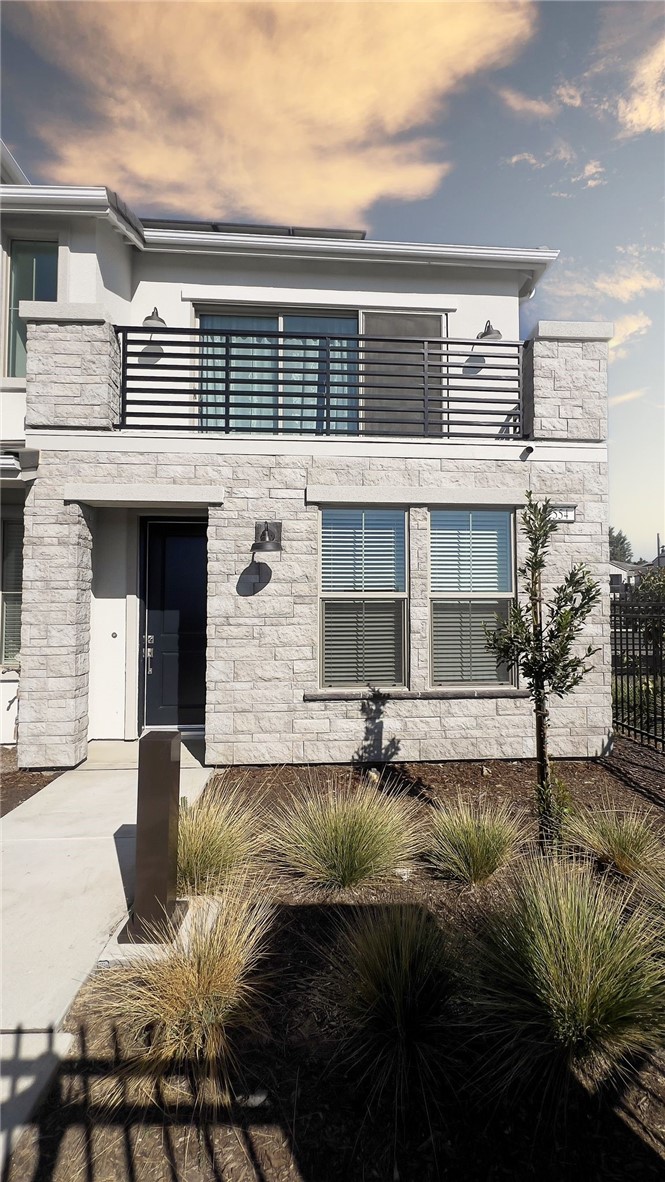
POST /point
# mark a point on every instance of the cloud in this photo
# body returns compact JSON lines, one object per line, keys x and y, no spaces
{"x":643,"y":107}
{"x":578,"y":291}
{"x":630,"y":278}
{"x":630,"y":396}
{"x":304,"y":111}
{"x":626,"y":331}
{"x":525,"y":158}
{"x":569,"y":95}
{"x":528,"y":108}
{"x":560,"y":153}
{"x":591,"y":174}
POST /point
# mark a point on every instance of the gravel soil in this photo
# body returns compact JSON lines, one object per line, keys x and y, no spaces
{"x":303,"y":1118}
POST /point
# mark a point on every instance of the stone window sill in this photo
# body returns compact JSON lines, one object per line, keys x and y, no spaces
{"x":404,"y":695}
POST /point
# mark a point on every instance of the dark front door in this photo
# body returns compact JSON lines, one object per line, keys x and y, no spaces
{"x":175,"y":623}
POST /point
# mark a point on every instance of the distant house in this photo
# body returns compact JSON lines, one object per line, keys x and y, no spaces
{"x":299,"y":480}
{"x":624,"y":574}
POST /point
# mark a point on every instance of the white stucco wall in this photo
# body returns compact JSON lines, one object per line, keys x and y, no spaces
{"x":177,"y":285}
{"x":113,"y":536}
{"x":9,"y":679}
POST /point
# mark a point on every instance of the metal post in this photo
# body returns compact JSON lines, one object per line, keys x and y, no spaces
{"x":122,"y":337}
{"x":156,"y":832}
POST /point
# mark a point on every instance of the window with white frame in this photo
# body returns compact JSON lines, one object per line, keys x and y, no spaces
{"x":11,"y":544}
{"x":364,"y":597}
{"x":471,"y":563}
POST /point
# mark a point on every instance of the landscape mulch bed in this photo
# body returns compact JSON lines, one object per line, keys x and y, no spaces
{"x":18,"y":786}
{"x":305,"y":1119}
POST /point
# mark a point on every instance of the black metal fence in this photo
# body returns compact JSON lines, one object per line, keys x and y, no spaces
{"x":207,"y":379}
{"x":638,"y":668}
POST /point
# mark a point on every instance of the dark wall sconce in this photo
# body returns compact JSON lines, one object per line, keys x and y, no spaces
{"x":489,"y":333}
{"x":151,"y":353}
{"x":267,"y":537}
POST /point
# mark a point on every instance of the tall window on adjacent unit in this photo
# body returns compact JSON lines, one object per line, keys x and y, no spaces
{"x":471,"y":584}
{"x":33,"y":276}
{"x":11,"y":545}
{"x":364,"y":597}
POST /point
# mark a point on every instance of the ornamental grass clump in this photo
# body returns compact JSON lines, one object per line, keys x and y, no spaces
{"x":218,"y":836}
{"x":183,"y":1005}
{"x":340,"y":835}
{"x":570,"y":975}
{"x":623,"y":840}
{"x":469,"y":842}
{"x":399,"y":979}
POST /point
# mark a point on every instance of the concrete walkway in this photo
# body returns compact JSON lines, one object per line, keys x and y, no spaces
{"x":67,"y":879}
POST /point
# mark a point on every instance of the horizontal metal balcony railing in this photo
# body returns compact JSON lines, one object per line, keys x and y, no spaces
{"x":281,"y":383}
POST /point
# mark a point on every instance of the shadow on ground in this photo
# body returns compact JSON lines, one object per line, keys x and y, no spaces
{"x":302,"y":1116}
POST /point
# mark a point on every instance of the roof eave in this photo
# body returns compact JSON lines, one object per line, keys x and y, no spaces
{"x":533,"y":261}
{"x":73,"y":200}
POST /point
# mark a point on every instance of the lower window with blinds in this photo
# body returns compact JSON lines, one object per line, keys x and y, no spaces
{"x":458,"y":641}
{"x":364,"y":598}
{"x":472,"y":589}
{"x":10,"y":615}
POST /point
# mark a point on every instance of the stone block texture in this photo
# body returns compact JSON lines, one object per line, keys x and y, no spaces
{"x":263,"y":658}
{"x":263,"y":648}
{"x":565,"y":389}
{"x":55,"y":630}
{"x":72,"y":376}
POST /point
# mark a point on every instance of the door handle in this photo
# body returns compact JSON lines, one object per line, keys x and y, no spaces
{"x":149,"y":652}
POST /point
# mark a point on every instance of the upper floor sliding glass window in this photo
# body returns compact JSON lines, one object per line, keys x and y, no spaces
{"x":283,"y":372}
{"x":471,"y":567}
{"x":33,"y":275}
{"x":364,"y":597}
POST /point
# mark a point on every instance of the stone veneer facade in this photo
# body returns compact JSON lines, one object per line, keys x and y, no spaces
{"x":263,"y":700}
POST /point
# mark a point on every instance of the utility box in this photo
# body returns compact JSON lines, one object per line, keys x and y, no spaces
{"x":156,"y":833}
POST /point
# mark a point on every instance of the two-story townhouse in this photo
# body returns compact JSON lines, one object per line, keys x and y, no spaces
{"x":267,"y":469}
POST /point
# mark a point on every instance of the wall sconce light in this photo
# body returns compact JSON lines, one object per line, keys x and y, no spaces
{"x":267,"y":537}
{"x":151,"y":353}
{"x":488,"y":334}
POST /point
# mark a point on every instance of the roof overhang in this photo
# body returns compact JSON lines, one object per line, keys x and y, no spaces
{"x":533,"y":261}
{"x":74,"y":200}
{"x":96,"y":201}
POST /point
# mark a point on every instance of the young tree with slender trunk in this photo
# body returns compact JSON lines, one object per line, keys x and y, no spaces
{"x":538,"y":638}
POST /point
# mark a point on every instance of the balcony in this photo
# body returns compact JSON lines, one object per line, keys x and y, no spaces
{"x":271,"y":383}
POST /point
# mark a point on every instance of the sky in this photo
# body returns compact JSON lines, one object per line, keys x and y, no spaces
{"x":482,"y":122}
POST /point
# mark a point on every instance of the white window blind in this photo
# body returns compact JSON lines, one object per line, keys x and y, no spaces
{"x":471,"y":583}
{"x":459,"y":653}
{"x":12,"y":565}
{"x":363,"y":550}
{"x":363,"y":642}
{"x":363,"y":612}
{"x":471,"y":551}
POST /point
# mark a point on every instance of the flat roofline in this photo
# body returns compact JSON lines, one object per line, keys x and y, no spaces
{"x":342,"y":246}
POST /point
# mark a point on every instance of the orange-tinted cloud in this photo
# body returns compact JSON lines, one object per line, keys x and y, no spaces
{"x":299,"y":111}
{"x":577,"y":291}
{"x":528,"y":108}
{"x":642,"y":108}
{"x":627,"y":329}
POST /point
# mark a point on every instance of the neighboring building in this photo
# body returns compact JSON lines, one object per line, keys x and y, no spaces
{"x":346,"y":396}
{"x":624,"y":575}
